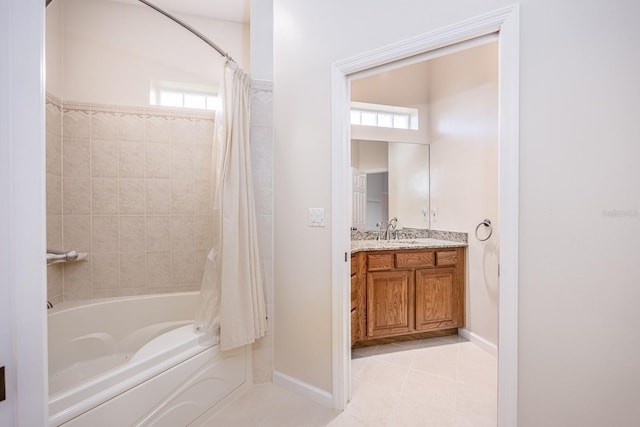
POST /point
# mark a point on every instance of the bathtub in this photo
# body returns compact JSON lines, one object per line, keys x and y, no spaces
{"x":136,"y":361}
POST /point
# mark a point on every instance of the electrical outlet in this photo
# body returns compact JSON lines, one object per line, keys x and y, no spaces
{"x":316,"y":217}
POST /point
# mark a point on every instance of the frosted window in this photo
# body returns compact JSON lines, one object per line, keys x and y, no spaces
{"x":355,"y":117}
{"x":369,"y":118}
{"x":400,"y":121}
{"x":171,"y":99}
{"x":385,"y":120}
{"x":384,"y":116}
{"x":195,"y":101}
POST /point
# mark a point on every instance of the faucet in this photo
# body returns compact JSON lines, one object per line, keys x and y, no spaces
{"x":391,"y":228}
{"x":379,"y":225}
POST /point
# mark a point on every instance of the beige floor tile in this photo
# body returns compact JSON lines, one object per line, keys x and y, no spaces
{"x":441,"y":382}
{"x":384,"y":374}
{"x":441,"y":361}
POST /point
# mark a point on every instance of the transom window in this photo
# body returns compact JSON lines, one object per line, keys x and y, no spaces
{"x":384,"y":116}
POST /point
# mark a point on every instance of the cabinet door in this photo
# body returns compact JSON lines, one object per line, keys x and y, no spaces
{"x":438,"y":299}
{"x":388,"y":309}
{"x":355,"y":327}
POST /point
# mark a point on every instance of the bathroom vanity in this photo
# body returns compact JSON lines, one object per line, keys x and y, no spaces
{"x":403,"y":289}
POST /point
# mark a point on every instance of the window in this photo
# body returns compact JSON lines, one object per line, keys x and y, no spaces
{"x":183,"y":95}
{"x":384,"y":116}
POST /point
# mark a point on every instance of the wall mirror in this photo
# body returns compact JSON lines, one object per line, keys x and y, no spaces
{"x":390,"y":179}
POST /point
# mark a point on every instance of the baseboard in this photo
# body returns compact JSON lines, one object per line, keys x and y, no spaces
{"x":320,"y":396}
{"x":479,"y":341}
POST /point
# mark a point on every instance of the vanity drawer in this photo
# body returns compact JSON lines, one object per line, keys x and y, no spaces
{"x":446,"y":258}
{"x":354,"y":264}
{"x":381,"y":261}
{"x":415,"y":259}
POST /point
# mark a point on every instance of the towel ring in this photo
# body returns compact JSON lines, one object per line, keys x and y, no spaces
{"x":486,"y":223}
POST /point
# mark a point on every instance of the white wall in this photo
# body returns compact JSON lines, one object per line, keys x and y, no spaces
{"x":111,"y":51}
{"x":579,"y":363}
{"x":464,"y":170}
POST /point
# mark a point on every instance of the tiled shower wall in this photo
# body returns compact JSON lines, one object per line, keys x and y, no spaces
{"x":132,"y":188}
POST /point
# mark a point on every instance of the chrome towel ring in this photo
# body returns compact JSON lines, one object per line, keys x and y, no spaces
{"x":486,"y":223}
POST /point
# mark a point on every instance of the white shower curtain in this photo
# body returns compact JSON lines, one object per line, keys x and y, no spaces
{"x":232,"y":302}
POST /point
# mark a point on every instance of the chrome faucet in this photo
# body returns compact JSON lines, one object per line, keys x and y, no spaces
{"x":391,"y":228}
{"x":379,"y":225}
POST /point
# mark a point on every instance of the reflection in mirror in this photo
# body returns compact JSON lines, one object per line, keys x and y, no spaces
{"x":390,"y":179}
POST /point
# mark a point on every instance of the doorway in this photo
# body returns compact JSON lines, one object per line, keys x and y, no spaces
{"x":504,"y":23}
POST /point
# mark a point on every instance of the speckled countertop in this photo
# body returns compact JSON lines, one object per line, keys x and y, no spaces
{"x":418,"y":243}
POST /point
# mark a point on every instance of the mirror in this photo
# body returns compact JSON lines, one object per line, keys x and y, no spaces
{"x":390,"y":179}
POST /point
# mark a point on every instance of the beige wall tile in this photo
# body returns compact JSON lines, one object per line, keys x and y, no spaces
{"x":182,"y":233}
{"x":104,"y":158}
{"x":75,"y":157}
{"x":203,"y":196}
{"x":200,"y":260}
{"x":158,"y":232}
{"x":158,"y":269}
{"x":104,"y":234}
{"x":203,"y":232}
{"x":54,"y":282}
{"x":265,"y":235}
{"x":182,"y":197}
{"x":157,"y":196}
{"x":132,"y":233}
{"x":157,"y":129}
{"x":131,"y":197}
{"x":131,"y":127}
{"x":53,"y":119}
{"x":105,"y":271}
{"x":77,"y":279}
{"x":132,"y":269}
{"x":157,"y":161}
{"x":76,"y":124}
{"x":54,"y":232}
{"x":77,"y":233}
{"x":54,"y":154}
{"x":54,"y":195}
{"x":202,"y":161}
{"x":131,"y":160}
{"x":104,"y":125}
{"x":76,"y":196}
{"x":104,"y":196}
{"x":182,"y":162}
{"x":182,"y":130}
{"x":183,"y":267}
{"x":203,"y":131}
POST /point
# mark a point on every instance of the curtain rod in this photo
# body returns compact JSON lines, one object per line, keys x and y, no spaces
{"x":184,"y":25}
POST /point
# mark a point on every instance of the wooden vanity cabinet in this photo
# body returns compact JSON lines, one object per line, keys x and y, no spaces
{"x":389,"y":311}
{"x":403,"y":292}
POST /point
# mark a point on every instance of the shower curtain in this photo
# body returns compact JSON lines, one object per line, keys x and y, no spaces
{"x":232,"y":304}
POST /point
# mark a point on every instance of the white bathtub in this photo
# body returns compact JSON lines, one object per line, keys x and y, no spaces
{"x":136,"y":361}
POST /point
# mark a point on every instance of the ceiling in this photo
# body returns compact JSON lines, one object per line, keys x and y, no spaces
{"x":227,"y":10}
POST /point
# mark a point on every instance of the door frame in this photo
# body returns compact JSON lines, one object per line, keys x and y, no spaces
{"x":504,"y":22}
{"x":23,"y":334}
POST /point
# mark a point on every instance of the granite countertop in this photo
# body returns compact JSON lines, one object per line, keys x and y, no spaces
{"x":417,"y":243}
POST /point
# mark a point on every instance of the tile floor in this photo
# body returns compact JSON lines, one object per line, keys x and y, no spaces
{"x":440,"y":382}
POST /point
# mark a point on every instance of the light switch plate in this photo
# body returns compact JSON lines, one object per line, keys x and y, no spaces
{"x":316,"y":217}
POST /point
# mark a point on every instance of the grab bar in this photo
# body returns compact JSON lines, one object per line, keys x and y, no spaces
{"x":58,"y":257}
